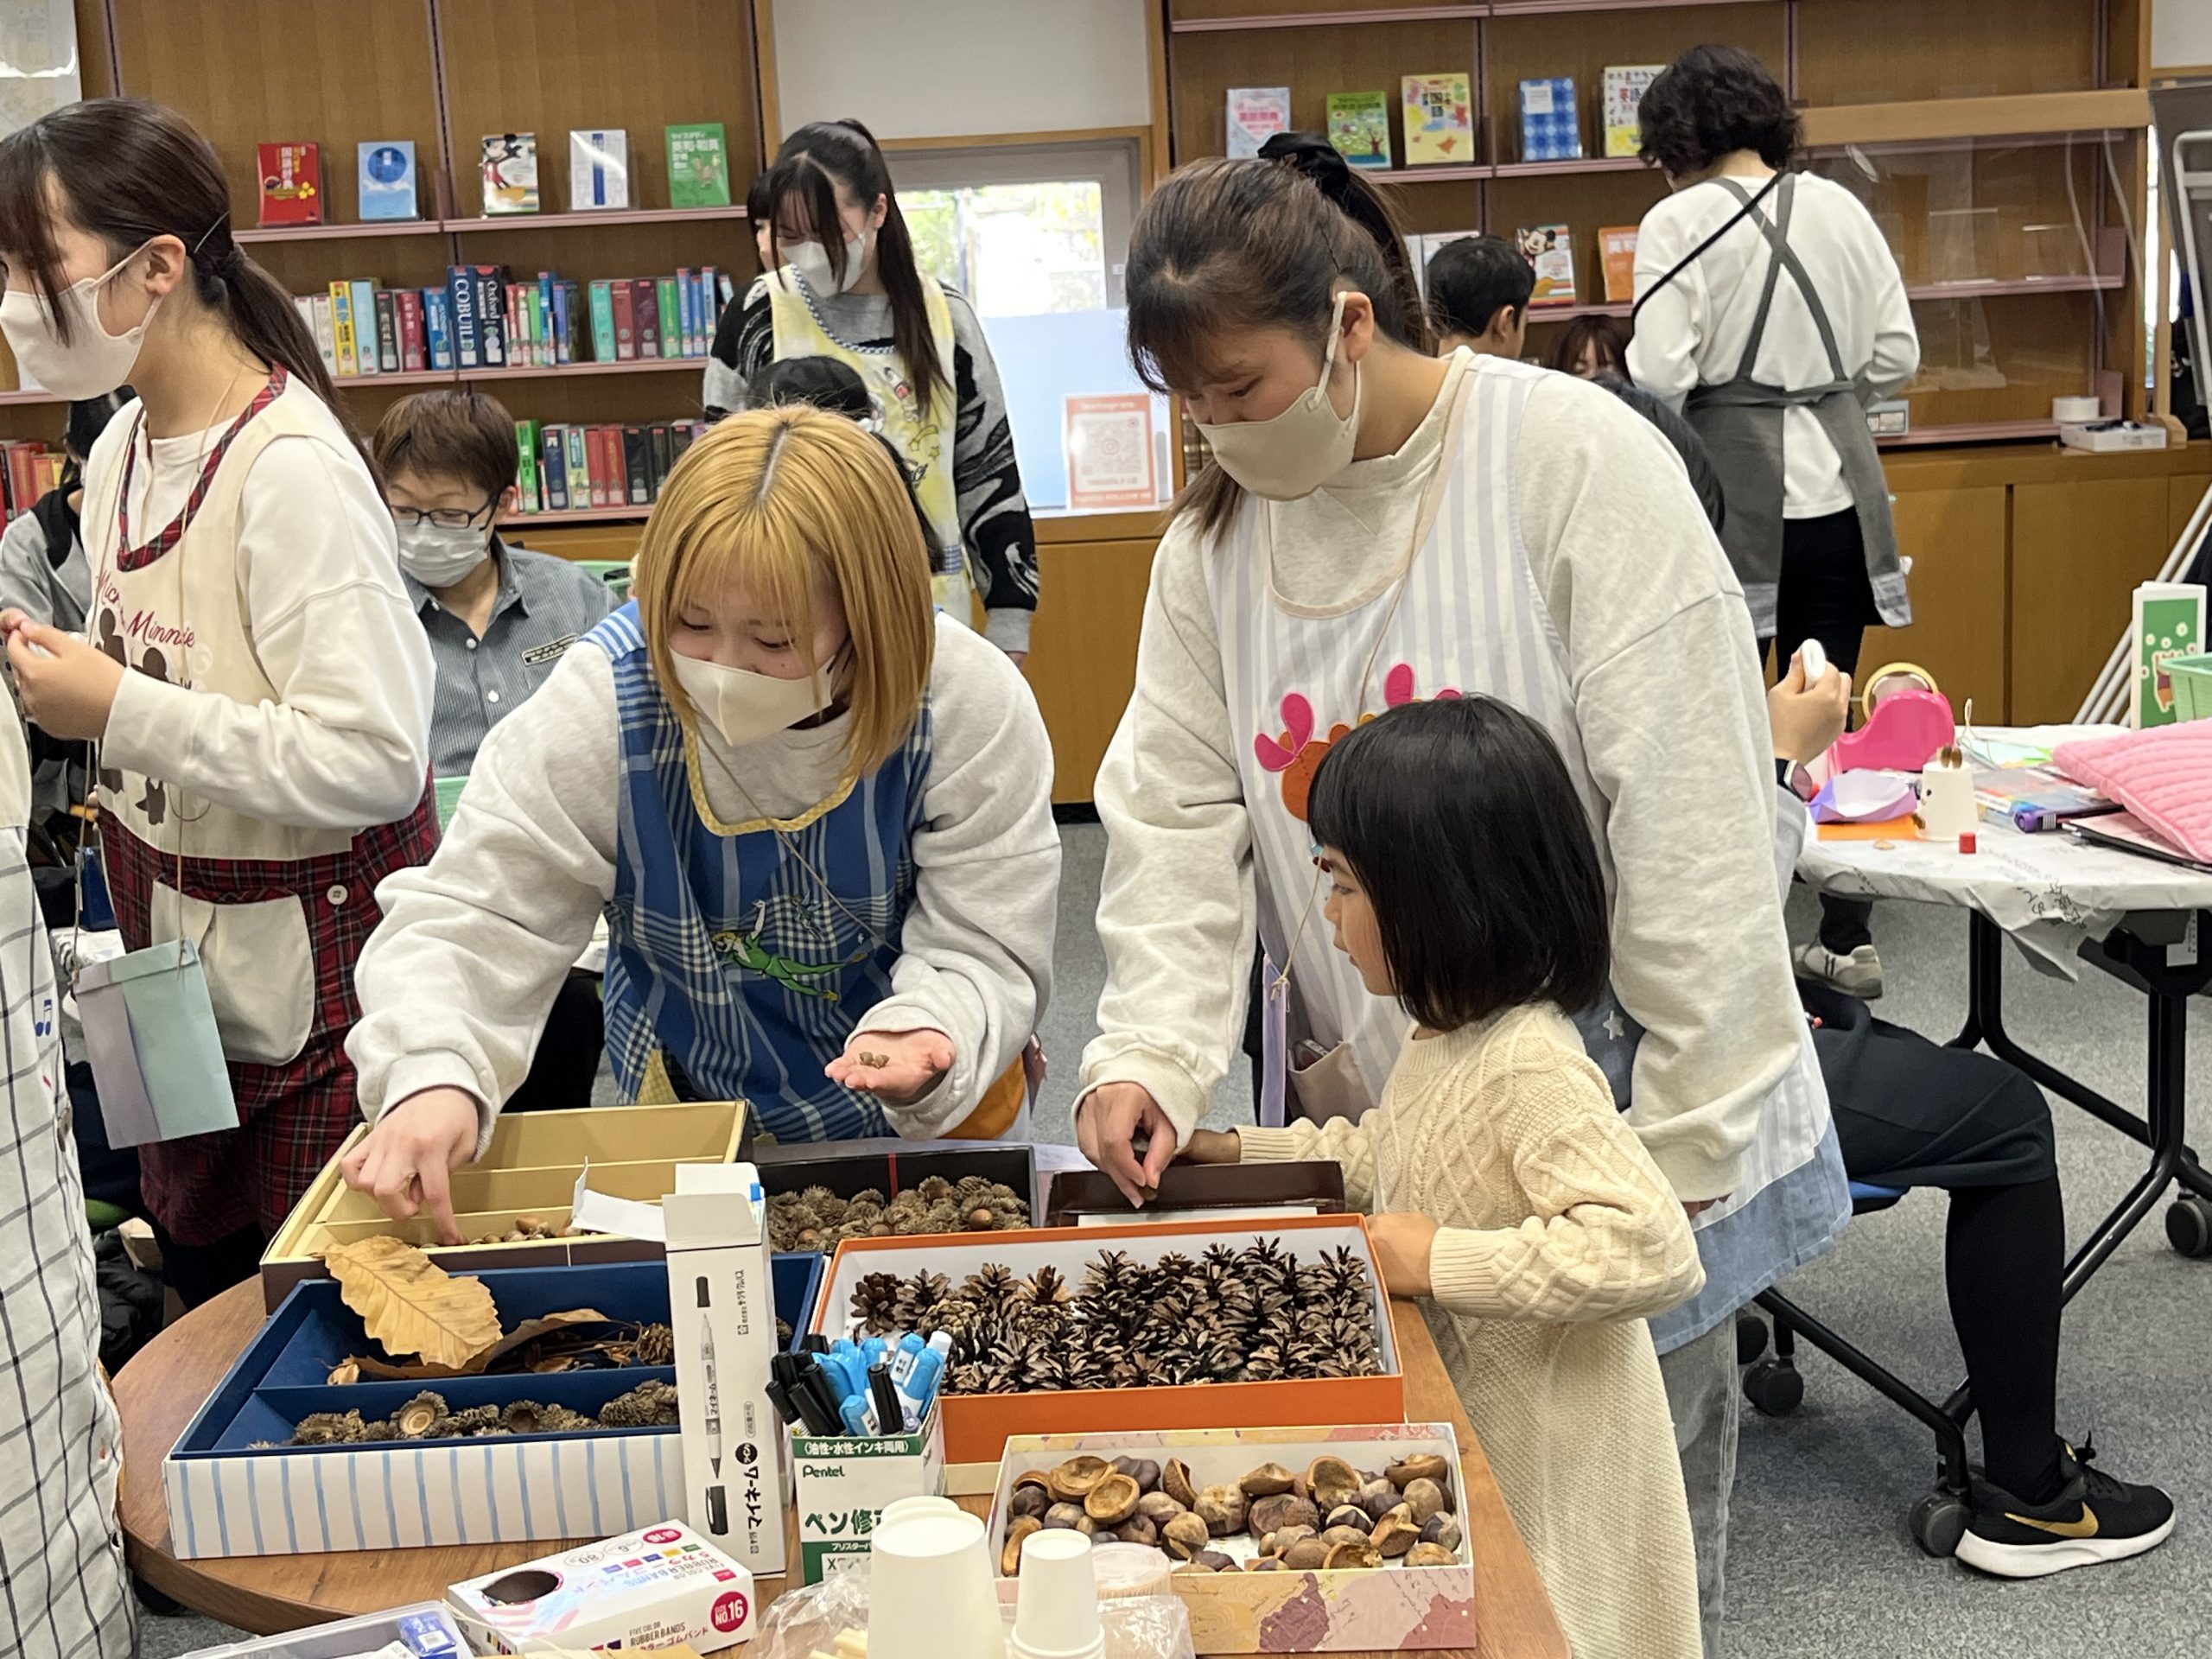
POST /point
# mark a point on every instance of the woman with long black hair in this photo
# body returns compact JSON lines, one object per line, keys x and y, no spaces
{"x":255,"y":680}
{"x":842,"y":284}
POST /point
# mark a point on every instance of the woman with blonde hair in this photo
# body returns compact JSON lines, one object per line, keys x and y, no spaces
{"x":816,"y":816}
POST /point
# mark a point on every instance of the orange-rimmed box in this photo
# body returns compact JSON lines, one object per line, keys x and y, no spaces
{"x":977,"y":1427}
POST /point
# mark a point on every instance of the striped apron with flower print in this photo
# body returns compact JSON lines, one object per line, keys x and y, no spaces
{"x":1462,"y":614}
{"x":278,"y":912}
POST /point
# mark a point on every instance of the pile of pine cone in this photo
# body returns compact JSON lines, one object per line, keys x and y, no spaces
{"x":817,"y":1219}
{"x":426,"y":1417}
{"x":1255,"y":1315}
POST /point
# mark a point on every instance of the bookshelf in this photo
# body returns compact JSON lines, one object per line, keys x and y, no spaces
{"x":443,"y":74}
{"x":1998,"y":142}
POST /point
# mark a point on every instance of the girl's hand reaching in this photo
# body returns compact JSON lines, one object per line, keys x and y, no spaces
{"x":1402,"y":1244}
{"x":897,"y":1067}
{"x":406,"y":1160}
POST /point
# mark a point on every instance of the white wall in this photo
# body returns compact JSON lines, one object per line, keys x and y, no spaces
{"x":2180,"y":34}
{"x":946,"y":68}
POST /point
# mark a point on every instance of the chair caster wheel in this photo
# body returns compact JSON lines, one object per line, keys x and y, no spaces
{"x":1750,"y":1336}
{"x":2189,"y":1225}
{"x":1775,"y":1387}
{"x":1938,"y":1522}
{"x":153,"y":1600}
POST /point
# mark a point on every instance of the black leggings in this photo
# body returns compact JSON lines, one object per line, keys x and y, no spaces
{"x":1825,"y":595}
{"x":1911,"y":1113}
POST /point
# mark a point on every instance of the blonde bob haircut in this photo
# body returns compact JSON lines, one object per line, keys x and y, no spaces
{"x":770,"y":500}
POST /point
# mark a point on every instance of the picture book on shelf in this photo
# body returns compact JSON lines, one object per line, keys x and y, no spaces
{"x":1439,"y":119}
{"x":291,"y":183}
{"x":1616,"y":248}
{"x":1625,"y":86}
{"x":599,"y":169}
{"x":1549,"y":128}
{"x":511,"y":172}
{"x":1549,"y":251}
{"x":1256,"y":115}
{"x":387,"y":178}
{"x":698,"y":166}
{"x":1359,"y":126}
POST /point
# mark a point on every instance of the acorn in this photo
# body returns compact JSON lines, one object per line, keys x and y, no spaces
{"x":1378,"y":1498}
{"x":1395,"y":1532}
{"x":1342,"y":1556}
{"x":1332,"y":1482}
{"x":1186,"y":1536}
{"x":1112,"y":1501}
{"x":1422,"y":1465}
{"x":1442,"y":1531}
{"x":1266,"y":1481}
{"x":1138,"y":1529}
{"x":1017,"y":1530}
{"x":1430,"y":1555}
{"x":1351,"y":1518}
{"x":1425,"y":1498}
{"x":1062,"y":1516}
{"x":1214,"y":1560}
{"x":1143,"y":1470}
{"x":1279,"y":1542}
{"x":1305,"y":1555}
{"x":1029,"y":1501}
{"x":1175,"y":1481}
{"x":1281,"y":1509}
{"x":1159,"y":1509}
{"x":1335,"y":1536}
{"x":1074,"y":1478}
{"x":1222,"y":1508}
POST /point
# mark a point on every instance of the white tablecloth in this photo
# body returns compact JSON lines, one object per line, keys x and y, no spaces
{"x":2049,"y":890}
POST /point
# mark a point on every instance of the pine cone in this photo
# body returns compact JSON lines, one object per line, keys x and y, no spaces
{"x":994,"y":1286}
{"x":919,"y":1298}
{"x":472,"y":1420}
{"x":379,"y":1430}
{"x":656,"y":1345}
{"x":328,"y":1428}
{"x":875,"y":1302}
{"x":1044,"y":1287}
{"x":650,"y":1405}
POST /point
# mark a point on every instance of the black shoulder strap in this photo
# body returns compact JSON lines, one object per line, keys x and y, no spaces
{"x":54,"y":517}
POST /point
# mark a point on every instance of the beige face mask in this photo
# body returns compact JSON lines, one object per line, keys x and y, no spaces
{"x":1300,"y":449}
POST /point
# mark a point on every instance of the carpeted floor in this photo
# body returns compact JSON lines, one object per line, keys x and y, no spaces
{"x":1819,"y":1561}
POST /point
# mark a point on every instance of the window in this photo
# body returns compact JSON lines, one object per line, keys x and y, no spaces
{"x":1035,"y":235}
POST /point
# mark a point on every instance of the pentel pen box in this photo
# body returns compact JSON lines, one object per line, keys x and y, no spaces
{"x":650,"y":1589}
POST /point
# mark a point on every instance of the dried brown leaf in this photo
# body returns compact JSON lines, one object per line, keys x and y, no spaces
{"x":409,"y":1305}
{"x":342,"y":1375}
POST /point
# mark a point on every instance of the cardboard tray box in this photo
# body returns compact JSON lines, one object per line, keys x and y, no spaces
{"x":1085,"y":1197}
{"x":892,"y":1167}
{"x":976,"y":1428}
{"x":530,"y":1168}
{"x":1385,"y":1609}
{"x":235,"y":1489}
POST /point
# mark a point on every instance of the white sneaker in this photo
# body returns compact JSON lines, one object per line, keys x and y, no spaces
{"x":1857,"y":975}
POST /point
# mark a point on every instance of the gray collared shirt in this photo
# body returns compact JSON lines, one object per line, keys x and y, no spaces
{"x":545,"y":605}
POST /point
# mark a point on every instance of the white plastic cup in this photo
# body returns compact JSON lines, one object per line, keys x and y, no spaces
{"x":930,"y":1591}
{"x":1055,"y":1611}
{"x":899,"y":1509}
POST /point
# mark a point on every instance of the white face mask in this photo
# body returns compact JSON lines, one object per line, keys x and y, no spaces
{"x":94,"y":362}
{"x":745,"y":707}
{"x":811,"y":261}
{"x":1300,"y":449}
{"x":438,"y":556}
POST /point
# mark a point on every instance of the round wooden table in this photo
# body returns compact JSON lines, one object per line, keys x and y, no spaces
{"x":159,"y":1392}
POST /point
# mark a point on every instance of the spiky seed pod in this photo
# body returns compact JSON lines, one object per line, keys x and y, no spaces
{"x":656,"y":1345}
{"x":328,"y":1428}
{"x":419,"y":1416}
{"x":472,"y":1420}
{"x":935,"y":1189}
{"x":522,"y":1417}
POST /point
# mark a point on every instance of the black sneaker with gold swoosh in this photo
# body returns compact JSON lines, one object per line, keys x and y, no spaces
{"x":2093,"y":1519}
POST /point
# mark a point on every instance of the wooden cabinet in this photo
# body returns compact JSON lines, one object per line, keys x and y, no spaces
{"x":2079,"y":546}
{"x":1955,"y":539}
{"x":1083,"y":657}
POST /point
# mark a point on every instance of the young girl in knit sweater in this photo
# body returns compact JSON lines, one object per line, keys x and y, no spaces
{"x":1506,"y":1191}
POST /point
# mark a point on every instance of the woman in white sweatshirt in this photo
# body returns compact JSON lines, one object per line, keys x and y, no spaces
{"x":257,"y":687}
{"x":817,"y":816}
{"x":1382,"y":526}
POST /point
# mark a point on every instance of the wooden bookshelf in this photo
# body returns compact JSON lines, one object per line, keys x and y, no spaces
{"x":444,"y":73}
{"x":1999,"y":143}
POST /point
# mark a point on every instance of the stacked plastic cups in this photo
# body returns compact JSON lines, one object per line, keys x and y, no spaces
{"x":932,"y":1595}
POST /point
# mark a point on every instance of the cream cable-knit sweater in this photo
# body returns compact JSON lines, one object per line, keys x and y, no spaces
{"x":1559,"y":1236}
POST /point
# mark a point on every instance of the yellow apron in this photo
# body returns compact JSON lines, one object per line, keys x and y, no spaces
{"x":923,"y":436}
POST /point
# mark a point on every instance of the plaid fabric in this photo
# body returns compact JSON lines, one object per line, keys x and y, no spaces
{"x":138,"y":558}
{"x":64,"y":1593}
{"x":292,"y":1117}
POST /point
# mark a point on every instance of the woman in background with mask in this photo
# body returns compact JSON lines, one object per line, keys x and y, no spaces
{"x":842,"y":283}
{"x":1381,"y":526}
{"x":816,"y":816}
{"x":259,"y":691}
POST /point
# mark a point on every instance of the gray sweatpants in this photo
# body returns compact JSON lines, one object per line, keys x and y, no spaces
{"x":1702,"y":1398}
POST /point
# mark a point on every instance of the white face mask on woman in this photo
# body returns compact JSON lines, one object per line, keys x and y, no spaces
{"x":744,"y":707}
{"x":811,"y":261}
{"x":1300,"y":449}
{"x":438,"y":556}
{"x":94,"y":362}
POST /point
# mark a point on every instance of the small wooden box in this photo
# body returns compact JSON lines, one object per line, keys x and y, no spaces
{"x":530,"y":1168}
{"x":1251,"y":1192}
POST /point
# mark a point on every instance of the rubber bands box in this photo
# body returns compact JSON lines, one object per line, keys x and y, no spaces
{"x":529,"y":1170}
{"x":235,"y":1488}
{"x":977,"y":1427}
{"x":651,"y":1588}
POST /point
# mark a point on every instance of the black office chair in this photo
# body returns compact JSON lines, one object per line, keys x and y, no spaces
{"x":1775,"y":1387}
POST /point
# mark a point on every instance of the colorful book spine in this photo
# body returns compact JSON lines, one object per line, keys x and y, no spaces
{"x":526,"y":479}
{"x":626,"y":320}
{"x":493,"y":330}
{"x":553,"y":467}
{"x":468,"y":336}
{"x":711,"y":314}
{"x":343,"y":343}
{"x":563,"y":349}
{"x":413,"y":357}
{"x":636,"y":466}
{"x":602,"y":321}
{"x":687,"y":311}
{"x":437,"y":326}
{"x":387,"y":332}
{"x":671,"y":316}
{"x":324,"y":339}
{"x":647,"y":302}
{"x":364,"y":325}
{"x":546,"y":353}
{"x":577,"y":442}
{"x":658,"y":458}
{"x":610,"y":468}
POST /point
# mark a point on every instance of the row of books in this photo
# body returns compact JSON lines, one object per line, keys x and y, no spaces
{"x":1549,"y":249}
{"x":568,"y":468}
{"x":484,"y":318}
{"x":1436,"y":115}
{"x":598,"y":174}
{"x":30,"y":470}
